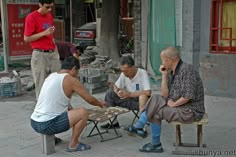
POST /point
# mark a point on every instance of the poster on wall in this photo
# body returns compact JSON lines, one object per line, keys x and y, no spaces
{"x":17,"y":10}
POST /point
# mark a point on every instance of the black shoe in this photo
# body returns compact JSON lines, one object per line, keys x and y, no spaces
{"x":109,"y":126}
{"x":57,"y":140}
{"x":151,"y":148}
{"x":136,"y":131}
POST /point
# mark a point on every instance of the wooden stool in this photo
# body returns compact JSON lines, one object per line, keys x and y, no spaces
{"x":179,"y":142}
{"x":48,"y":144}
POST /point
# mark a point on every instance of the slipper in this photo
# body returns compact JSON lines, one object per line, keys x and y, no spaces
{"x":131,"y":130}
{"x":137,"y":131}
{"x":150,"y":148}
{"x":81,"y":147}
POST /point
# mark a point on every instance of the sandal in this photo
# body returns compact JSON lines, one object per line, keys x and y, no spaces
{"x":136,"y":131}
{"x":150,"y":148}
{"x":80,"y":147}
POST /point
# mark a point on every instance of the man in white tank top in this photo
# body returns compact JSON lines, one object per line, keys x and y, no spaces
{"x":51,"y":115}
{"x":131,"y":90}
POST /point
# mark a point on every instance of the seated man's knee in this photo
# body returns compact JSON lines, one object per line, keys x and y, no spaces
{"x":84,"y":112}
{"x":142,"y":102}
{"x":110,"y":95}
{"x":143,"y":98}
{"x":110,"y":92}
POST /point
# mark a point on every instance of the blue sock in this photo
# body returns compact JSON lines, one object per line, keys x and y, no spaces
{"x":156,"y":133}
{"x":141,"y":121}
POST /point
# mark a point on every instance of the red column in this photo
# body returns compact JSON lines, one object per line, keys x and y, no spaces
{"x":123,"y":8}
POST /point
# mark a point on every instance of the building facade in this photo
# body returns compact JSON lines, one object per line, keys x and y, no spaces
{"x":203,"y":30}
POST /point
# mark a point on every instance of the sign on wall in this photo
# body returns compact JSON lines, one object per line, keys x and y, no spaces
{"x":17,"y":10}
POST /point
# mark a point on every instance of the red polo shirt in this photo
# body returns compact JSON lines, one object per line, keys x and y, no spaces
{"x":36,"y":23}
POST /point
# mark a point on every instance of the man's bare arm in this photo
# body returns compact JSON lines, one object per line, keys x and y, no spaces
{"x":116,"y":89}
{"x":125,"y":94}
{"x":164,"y":86}
{"x":78,"y":88}
{"x":37,"y":36}
{"x":138,"y":93}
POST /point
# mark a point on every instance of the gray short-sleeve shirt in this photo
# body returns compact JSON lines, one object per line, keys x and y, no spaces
{"x":187,"y":83}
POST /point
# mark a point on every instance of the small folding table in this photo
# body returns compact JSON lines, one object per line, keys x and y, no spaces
{"x":99,"y":115}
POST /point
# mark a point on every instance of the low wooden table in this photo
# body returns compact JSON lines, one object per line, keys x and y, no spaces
{"x":98,"y":115}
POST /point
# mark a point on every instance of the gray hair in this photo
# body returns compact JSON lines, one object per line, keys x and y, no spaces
{"x":171,"y":52}
{"x":127,"y":60}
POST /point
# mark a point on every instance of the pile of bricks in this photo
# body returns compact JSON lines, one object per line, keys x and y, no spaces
{"x":94,"y":80}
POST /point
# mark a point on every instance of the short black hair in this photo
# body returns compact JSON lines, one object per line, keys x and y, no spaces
{"x":81,"y":50}
{"x":69,"y":62}
{"x":46,"y":1}
{"x":127,"y":60}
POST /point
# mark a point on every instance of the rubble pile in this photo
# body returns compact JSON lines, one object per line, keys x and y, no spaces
{"x":87,"y":57}
{"x":97,"y":74}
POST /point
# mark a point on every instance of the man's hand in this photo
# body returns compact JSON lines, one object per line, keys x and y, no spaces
{"x":49,"y":30}
{"x":102,"y":104}
{"x":171,"y":103}
{"x":123,"y":94}
{"x":179,"y":102}
{"x":163,"y":70}
{"x":76,"y":55}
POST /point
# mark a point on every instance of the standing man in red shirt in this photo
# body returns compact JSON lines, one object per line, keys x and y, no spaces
{"x":39,"y":29}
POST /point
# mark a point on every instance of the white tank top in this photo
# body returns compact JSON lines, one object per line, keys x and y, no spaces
{"x":52,"y":100}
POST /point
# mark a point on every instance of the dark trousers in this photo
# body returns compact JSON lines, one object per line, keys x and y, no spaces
{"x":113,"y":100}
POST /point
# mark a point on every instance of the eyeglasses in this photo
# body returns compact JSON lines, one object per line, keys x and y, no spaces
{"x":48,"y":7}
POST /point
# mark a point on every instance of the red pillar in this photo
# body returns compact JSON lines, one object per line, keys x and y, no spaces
{"x":123,"y":8}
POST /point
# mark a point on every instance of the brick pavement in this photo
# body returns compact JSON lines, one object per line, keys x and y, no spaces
{"x":17,"y":139}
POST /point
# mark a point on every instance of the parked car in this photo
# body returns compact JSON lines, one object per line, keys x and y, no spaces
{"x":85,"y":35}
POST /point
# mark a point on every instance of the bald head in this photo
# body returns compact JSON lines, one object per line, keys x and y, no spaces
{"x":170,"y":52}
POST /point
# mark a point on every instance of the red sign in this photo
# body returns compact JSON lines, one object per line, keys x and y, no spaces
{"x":16,"y":22}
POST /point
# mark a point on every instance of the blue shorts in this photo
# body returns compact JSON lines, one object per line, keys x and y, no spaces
{"x":57,"y":125}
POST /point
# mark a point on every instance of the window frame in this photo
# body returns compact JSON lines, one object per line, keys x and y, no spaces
{"x":216,"y":29}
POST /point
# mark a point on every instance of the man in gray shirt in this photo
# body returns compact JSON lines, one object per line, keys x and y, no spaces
{"x":181,"y":99}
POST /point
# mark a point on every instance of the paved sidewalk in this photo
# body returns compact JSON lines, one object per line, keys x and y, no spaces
{"x":17,"y":139}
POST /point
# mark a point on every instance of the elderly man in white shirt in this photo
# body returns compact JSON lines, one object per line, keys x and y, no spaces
{"x":131,"y":90}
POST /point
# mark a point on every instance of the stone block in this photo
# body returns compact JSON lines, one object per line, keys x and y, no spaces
{"x":90,"y":72}
{"x":113,"y":77}
{"x":97,"y":78}
{"x":48,"y":144}
{"x":95,"y":85}
{"x":83,"y":79}
{"x":104,"y":77}
{"x":93,"y":79}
